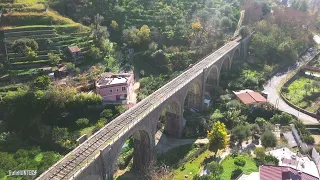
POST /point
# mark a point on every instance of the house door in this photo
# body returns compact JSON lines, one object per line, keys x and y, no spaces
{"x":117,"y":97}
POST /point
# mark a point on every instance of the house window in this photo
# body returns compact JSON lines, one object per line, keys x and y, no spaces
{"x":117,"y":90}
{"x":110,"y":91}
{"x":123,"y":88}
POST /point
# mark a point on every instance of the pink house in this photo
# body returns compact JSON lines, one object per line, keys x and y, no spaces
{"x":115,"y":87}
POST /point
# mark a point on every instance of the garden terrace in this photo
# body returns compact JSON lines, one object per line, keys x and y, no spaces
{"x":304,"y":93}
{"x":22,"y":59}
{"x":20,"y":33}
{"x":27,"y":28}
{"x":30,"y":64}
{"x":34,"y":18}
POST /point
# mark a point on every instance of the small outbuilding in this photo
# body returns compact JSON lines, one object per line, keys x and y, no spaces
{"x":76,"y":54}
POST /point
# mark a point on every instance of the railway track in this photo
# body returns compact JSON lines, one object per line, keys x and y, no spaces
{"x":70,"y":164}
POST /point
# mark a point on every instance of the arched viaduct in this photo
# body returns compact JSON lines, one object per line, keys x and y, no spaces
{"x":96,"y":158}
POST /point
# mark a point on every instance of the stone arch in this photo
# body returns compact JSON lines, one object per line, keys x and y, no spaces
{"x":193,"y":96}
{"x":172,"y":114}
{"x":212,"y":78}
{"x":226,"y":63}
{"x":236,"y":55}
{"x":142,"y":153}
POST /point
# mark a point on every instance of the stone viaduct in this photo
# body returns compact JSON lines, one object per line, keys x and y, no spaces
{"x":96,"y":158}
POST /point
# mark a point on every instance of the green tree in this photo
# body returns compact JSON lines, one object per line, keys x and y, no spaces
{"x":244,"y":31}
{"x":255,"y":129}
{"x":20,"y":45}
{"x":59,"y":134}
{"x":217,"y":137}
{"x":95,"y":54}
{"x":226,"y":23}
{"x":114,"y":25}
{"x":144,"y":33}
{"x":268,"y":139}
{"x":130,"y":36}
{"x":235,"y":117}
{"x":240,"y":133}
{"x":260,"y":152}
{"x":82,"y":122}
{"x":215,"y":170}
{"x":41,"y":82}
{"x":99,"y":124}
{"x":54,"y":58}
{"x":121,"y":109}
{"x":106,"y":113}
{"x":283,"y":118}
{"x":217,"y":115}
{"x":30,"y":54}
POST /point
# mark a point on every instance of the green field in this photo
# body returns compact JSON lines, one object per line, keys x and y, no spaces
{"x":229,"y":166}
{"x":303,"y":97}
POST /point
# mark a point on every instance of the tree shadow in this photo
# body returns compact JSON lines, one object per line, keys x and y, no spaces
{"x":210,"y":159}
{"x":236,"y":173}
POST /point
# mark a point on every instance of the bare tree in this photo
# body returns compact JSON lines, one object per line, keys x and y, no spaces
{"x":156,"y":172}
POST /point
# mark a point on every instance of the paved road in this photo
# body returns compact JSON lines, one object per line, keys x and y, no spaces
{"x":273,"y":97}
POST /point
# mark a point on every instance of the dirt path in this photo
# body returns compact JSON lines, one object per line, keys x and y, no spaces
{"x":134,"y":95}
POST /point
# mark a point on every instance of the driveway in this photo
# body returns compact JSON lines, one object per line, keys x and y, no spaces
{"x":275,"y":99}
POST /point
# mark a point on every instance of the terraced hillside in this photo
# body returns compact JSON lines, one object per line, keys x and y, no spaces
{"x":32,"y":19}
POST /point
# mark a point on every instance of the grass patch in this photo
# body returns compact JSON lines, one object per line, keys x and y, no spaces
{"x":174,"y":155}
{"x":229,"y":166}
{"x":192,"y":166}
{"x":32,"y":18}
{"x":30,"y":1}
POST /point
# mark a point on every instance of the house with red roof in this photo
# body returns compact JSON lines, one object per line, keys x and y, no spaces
{"x":248,"y":96}
{"x":283,"y":173}
{"x":271,"y":172}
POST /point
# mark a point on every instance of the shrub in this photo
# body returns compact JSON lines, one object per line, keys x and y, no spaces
{"x":268,"y":139}
{"x":236,"y":173}
{"x":99,"y":124}
{"x":107,"y":113}
{"x":239,"y":161}
{"x":271,"y":160}
{"x":260,"y":152}
{"x":42,"y":82}
{"x":308,"y":139}
{"x":283,"y":118}
{"x":54,"y":58}
{"x":20,"y":45}
{"x":82,"y":122}
{"x":49,"y":42}
{"x":31,"y":54}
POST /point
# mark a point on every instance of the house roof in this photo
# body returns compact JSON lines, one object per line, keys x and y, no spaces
{"x":74,"y":49}
{"x":249,"y":97}
{"x":110,"y":79}
{"x":283,"y":173}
